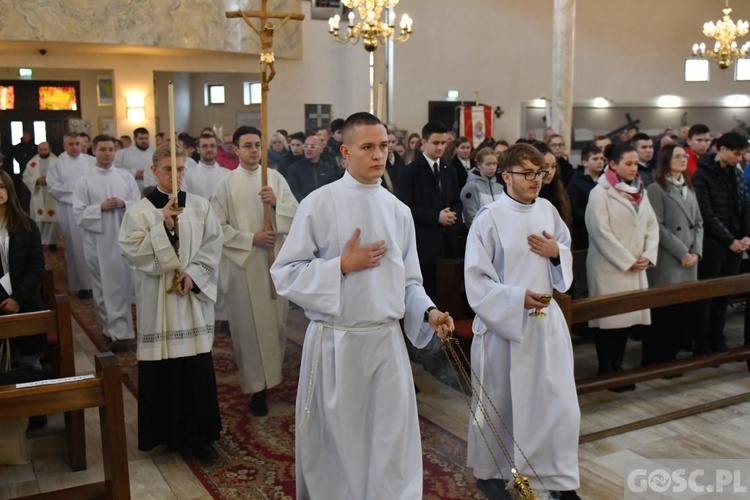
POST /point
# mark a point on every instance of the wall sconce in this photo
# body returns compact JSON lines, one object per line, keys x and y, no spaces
{"x":136,"y":108}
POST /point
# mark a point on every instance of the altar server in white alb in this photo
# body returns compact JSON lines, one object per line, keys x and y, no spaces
{"x":42,"y":209}
{"x":350,"y":261}
{"x":518,"y":249}
{"x":203,"y":178}
{"x":137,"y":158}
{"x":61,"y":179}
{"x":257,"y":321}
{"x":100,"y":199}
{"x":177,"y":400}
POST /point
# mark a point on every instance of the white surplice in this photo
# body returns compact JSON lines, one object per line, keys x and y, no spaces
{"x":357,"y":433}
{"x":61,"y":179}
{"x":525,"y":364}
{"x":42,"y":207}
{"x":132,"y":159}
{"x":111,"y":282}
{"x":202,"y":180}
{"x":171,"y":326}
{"x":257,"y":321}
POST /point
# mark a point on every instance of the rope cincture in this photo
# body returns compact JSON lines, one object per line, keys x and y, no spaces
{"x":521,"y":486}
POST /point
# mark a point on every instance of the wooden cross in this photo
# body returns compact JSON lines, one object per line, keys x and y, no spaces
{"x":265,"y":31}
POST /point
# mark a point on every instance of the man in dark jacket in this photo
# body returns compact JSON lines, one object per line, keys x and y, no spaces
{"x":725,"y":208}
{"x":308,"y":174}
{"x":429,"y":187}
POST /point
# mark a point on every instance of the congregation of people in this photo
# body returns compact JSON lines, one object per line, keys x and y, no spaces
{"x":645,"y":217}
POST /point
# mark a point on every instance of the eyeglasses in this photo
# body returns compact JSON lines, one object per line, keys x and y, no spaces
{"x":530,"y":176}
{"x":310,"y":146}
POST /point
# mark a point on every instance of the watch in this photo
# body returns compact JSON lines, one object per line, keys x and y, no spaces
{"x":427,"y":314}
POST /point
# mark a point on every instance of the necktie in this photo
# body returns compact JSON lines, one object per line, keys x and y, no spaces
{"x":436,"y":169}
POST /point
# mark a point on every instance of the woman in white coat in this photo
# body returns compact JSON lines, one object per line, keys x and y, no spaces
{"x":680,"y":247}
{"x":623,"y":243}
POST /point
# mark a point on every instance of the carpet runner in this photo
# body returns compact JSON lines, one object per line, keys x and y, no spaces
{"x":257,"y":454}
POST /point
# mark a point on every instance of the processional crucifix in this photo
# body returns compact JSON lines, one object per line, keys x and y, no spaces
{"x":265,"y":31}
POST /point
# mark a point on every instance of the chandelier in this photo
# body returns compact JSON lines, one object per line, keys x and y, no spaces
{"x":374,"y":23}
{"x":725,"y":32}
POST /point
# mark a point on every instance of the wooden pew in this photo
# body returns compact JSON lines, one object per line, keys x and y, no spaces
{"x":452,"y":296}
{"x":103,"y":391}
{"x":57,"y":324}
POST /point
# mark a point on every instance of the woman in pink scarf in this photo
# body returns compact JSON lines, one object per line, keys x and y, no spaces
{"x":623,"y":243}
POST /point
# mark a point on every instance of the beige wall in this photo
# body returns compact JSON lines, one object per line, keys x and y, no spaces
{"x":631,"y":52}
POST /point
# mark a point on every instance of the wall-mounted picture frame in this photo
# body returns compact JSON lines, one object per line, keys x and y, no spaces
{"x":325,"y":9}
{"x":105,"y":90}
{"x":107,"y":126}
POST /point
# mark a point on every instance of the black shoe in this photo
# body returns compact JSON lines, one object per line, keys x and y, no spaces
{"x":623,"y":388}
{"x":565,"y":495}
{"x":258,"y":405}
{"x":84,"y":294}
{"x":37,"y":422}
{"x":205,"y":453}
{"x":494,"y":489}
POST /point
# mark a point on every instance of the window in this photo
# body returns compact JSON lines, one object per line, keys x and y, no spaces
{"x":696,"y":70}
{"x":40,"y":132}
{"x":7,"y":98}
{"x":57,"y":99}
{"x":214,"y":94}
{"x":251,"y":93}
{"x":742,"y":70}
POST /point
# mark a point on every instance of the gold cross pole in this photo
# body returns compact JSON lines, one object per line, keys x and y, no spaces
{"x":265,"y":31}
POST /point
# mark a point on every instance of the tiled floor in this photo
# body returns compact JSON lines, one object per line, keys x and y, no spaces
{"x":717,"y":434}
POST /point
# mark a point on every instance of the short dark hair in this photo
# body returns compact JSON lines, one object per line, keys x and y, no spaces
{"x":633,"y":127}
{"x":160,"y":134}
{"x":619,"y":150}
{"x":543,"y":147}
{"x":206,"y":135}
{"x":589,"y":151}
{"x":337,"y":124}
{"x":125,"y":137}
{"x":83,"y":134}
{"x":244,"y":130}
{"x":139,"y":130}
{"x":358,"y":120}
{"x":71,"y":135}
{"x":518,"y":152}
{"x":640,"y":136}
{"x":433,"y":128}
{"x":697,"y":129}
{"x":300,"y":136}
{"x":732,"y":141}
{"x":102,"y":138}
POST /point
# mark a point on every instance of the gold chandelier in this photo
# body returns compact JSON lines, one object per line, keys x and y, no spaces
{"x":374,"y":23}
{"x":725,"y":32}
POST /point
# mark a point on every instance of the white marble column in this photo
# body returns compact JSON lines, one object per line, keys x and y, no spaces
{"x":563,"y":45}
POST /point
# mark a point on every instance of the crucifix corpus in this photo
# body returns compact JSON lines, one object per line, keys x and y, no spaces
{"x":265,"y":31}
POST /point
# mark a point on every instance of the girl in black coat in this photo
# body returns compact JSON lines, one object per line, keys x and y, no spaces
{"x":22,"y":257}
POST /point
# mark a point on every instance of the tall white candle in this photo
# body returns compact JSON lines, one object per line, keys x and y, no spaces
{"x":172,"y":135}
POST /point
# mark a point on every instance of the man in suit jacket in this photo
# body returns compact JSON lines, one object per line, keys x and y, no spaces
{"x":429,"y":187}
